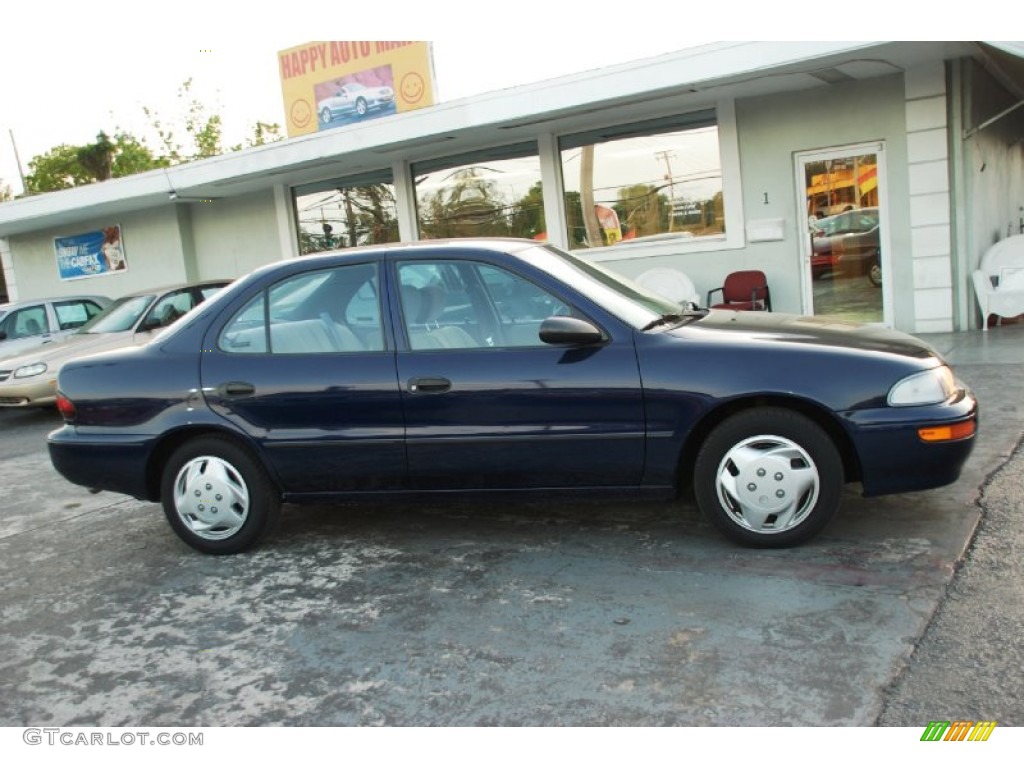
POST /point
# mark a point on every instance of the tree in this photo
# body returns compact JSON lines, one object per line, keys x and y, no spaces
{"x":349,"y":216}
{"x":67,"y":166}
{"x":5,"y":192}
{"x":469,"y":206}
{"x":643,"y":209}
{"x":528,"y":213}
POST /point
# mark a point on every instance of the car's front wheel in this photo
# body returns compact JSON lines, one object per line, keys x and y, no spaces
{"x":875,"y":273}
{"x":768,"y":477}
{"x":361,"y":107}
{"x":217,"y":497}
{"x":325,"y":115}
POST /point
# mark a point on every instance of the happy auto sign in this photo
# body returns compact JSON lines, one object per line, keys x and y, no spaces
{"x":330,"y":84}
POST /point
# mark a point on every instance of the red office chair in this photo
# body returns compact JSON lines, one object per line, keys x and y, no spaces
{"x":747,"y":290}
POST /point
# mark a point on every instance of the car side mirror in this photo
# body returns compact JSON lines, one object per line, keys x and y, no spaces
{"x":571,"y":331}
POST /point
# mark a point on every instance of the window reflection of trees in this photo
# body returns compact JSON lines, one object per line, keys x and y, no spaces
{"x":658,"y":183}
{"x":346,"y":217}
{"x":499,"y":198}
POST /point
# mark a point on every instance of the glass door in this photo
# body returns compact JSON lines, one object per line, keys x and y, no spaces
{"x":841,"y":199}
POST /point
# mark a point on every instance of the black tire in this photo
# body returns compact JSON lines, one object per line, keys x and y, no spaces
{"x":768,"y":477}
{"x":209,"y":471}
{"x":875,"y":273}
{"x":325,"y":115}
{"x":361,"y":108}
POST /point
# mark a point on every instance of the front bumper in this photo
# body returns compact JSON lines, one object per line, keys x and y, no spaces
{"x":35,"y":390}
{"x":895,"y":459}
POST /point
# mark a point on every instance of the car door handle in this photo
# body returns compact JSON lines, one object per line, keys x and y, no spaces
{"x":429,"y":384}
{"x":236,"y":389}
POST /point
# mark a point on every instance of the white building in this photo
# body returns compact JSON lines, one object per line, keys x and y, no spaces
{"x":714,"y":158}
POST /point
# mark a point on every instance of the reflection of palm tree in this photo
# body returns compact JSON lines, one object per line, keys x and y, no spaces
{"x":471,"y":204}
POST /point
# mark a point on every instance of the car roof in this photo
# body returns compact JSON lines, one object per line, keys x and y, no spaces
{"x":159,"y":290}
{"x":12,"y":305}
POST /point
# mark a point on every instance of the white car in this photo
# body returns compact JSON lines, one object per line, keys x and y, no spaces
{"x":354,"y":98}
{"x":30,"y":379}
{"x":27,"y":324}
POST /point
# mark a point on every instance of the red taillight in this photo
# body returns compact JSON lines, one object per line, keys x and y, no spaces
{"x":66,"y":408}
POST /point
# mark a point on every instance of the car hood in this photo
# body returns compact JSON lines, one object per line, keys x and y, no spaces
{"x":77,"y":345}
{"x":769,"y":327}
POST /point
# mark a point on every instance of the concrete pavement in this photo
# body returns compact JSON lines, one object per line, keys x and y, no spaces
{"x":479,"y":614}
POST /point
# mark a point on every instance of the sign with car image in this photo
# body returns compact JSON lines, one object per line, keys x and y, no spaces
{"x":331,"y":84}
{"x":90,"y":254}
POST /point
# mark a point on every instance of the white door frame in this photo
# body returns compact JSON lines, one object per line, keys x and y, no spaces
{"x":876,"y":148}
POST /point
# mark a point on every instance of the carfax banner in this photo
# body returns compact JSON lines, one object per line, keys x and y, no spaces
{"x":90,"y":254}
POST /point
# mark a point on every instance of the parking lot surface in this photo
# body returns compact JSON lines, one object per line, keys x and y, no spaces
{"x":487,"y":613}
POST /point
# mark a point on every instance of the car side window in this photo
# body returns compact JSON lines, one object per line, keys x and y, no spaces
{"x":75,"y":313}
{"x":23,"y":323}
{"x":169,"y":308}
{"x":320,"y":312}
{"x":467,"y":305}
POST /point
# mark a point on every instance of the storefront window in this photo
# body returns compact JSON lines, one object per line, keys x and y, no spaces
{"x":493,"y":193}
{"x":656,"y":180}
{"x":344,"y":213}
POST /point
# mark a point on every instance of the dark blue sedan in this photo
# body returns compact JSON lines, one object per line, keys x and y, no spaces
{"x":484,"y":366}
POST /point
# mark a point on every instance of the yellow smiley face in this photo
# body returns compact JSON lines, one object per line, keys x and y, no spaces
{"x":412,"y":88}
{"x":301,"y":113}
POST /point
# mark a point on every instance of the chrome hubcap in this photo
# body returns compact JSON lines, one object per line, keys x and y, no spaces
{"x":767,"y":484}
{"x":211,"y":498}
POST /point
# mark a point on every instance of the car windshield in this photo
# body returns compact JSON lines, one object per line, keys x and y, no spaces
{"x":631,"y":303}
{"x":119,"y":316}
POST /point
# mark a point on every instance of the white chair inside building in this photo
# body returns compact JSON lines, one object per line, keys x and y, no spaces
{"x":670,"y":283}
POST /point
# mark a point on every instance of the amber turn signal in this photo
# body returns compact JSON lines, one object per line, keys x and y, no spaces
{"x":947,"y":432}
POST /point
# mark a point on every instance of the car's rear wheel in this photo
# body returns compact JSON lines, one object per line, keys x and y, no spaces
{"x":325,"y":115}
{"x":217,"y":497}
{"x":768,"y":477}
{"x":361,"y":108}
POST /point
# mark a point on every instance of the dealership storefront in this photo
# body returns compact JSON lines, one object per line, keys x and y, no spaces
{"x":707,"y":161}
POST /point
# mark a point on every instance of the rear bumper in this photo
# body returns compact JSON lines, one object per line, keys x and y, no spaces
{"x":106,"y":462}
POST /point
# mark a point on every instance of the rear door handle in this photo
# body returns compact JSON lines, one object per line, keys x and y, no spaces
{"x":236,"y":389}
{"x":429,"y":384}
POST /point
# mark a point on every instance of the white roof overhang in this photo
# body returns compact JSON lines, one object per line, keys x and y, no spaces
{"x":680,"y":81}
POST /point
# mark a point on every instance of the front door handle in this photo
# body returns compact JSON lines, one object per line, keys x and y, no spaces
{"x":429,"y":384}
{"x":236,"y":389}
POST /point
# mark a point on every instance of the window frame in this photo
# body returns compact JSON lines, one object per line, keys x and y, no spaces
{"x":263,"y":296}
{"x":477,"y":291}
{"x":734,"y":236}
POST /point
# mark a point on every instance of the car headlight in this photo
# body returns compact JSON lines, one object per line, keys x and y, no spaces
{"x":925,"y":388}
{"x":30,"y":370}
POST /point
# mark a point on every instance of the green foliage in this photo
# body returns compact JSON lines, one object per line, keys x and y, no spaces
{"x":528,"y":214}
{"x":469,"y":206}
{"x":5,"y":192}
{"x":350,"y":216}
{"x":67,"y":166}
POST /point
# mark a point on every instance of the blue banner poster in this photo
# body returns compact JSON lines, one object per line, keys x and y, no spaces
{"x":90,"y":254}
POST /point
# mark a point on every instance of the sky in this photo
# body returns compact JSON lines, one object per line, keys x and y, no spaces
{"x":73,"y":69}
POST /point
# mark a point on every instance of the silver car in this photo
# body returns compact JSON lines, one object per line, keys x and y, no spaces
{"x":355,"y":98}
{"x":30,"y":379}
{"x":27,"y":324}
